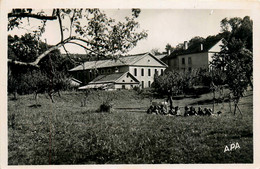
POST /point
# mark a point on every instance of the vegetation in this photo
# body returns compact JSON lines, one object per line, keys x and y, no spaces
{"x":235,"y":60}
{"x":90,"y":29}
{"x":51,"y":76}
{"x":66,"y":133}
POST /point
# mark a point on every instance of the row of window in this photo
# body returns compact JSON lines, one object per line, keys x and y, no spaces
{"x":149,"y":84}
{"x":148,"y":72}
{"x":183,"y":60}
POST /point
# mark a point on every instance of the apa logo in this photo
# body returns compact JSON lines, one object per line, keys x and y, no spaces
{"x":232,"y":147}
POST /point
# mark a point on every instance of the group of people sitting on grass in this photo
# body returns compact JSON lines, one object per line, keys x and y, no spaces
{"x":175,"y":111}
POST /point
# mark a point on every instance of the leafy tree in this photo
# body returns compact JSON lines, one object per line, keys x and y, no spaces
{"x":173,"y":83}
{"x":156,"y":51}
{"x":236,"y":58}
{"x":196,"y":40}
{"x":168,"y":48}
{"x":88,"y":28}
{"x":25,"y":79}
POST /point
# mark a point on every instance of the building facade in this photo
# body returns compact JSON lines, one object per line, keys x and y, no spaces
{"x":143,"y":67}
{"x":193,"y":57}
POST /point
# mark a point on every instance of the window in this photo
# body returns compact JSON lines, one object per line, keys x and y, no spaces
{"x":183,"y":61}
{"x":189,"y":60}
{"x":149,"y":72}
{"x":142,"y":84}
{"x":190,"y":69}
{"x":102,"y":71}
{"x":90,"y":74}
{"x":135,"y":71}
{"x":123,"y":86}
{"x":109,"y":70}
{"x":131,"y":80}
{"x":142,"y":72}
{"x":161,"y":71}
{"x":155,"y":71}
{"x":149,"y":83}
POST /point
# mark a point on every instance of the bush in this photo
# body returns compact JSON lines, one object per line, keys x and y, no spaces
{"x":105,"y":107}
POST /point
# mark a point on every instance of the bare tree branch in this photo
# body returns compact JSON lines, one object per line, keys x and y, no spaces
{"x":86,"y":48}
{"x":22,"y":63}
{"x":30,"y":15}
{"x":38,"y":59}
{"x":60,"y":23}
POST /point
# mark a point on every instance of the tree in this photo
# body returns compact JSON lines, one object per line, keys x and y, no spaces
{"x":155,"y":51}
{"x":236,"y":58}
{"x":88,"y":28}
{"x":169,"y":48}
{"x":196,"y":40}
{"x":48,"y":78}
{"x":173,"y":83}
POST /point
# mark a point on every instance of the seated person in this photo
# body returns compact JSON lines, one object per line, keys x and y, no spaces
{"x":177,"y":110}
{"x":192,"y":111}
{"x":207,"y":112}
{"x":150,"y":110}
{"x":163,"y":110}
{"x":172,"y":111}
{"x":186,"y":111}
{"x":200,"y":111}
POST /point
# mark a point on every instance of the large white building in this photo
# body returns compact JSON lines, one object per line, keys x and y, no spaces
{"x":141,"y":67}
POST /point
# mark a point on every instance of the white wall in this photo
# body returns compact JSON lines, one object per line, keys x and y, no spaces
{"x":146,"y":78}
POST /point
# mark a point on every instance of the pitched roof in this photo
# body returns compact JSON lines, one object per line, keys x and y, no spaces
{"x":122,"y":61}
{"x":195,"y":48}
{"x":108,"y":78}
{"x":111,"y":78}
{"x":160,"y":56}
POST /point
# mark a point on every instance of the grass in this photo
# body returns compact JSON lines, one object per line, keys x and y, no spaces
{"x":66,"y":133}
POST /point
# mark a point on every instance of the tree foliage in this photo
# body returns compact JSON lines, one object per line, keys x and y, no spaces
{"x":88,"y":28}
{"x":175,"y":82}
{"x":236,"y":58}
{"x":51,"y":75}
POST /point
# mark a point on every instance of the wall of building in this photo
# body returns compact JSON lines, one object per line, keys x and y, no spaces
{"x":125,"y":86}
{"x":145,"y":79}
{"x":193,"y":61}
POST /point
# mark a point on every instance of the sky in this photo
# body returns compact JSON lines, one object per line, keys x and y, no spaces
{"x":164,"y":26}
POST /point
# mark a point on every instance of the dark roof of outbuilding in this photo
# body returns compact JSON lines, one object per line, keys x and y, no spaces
{"x":111,"y":77}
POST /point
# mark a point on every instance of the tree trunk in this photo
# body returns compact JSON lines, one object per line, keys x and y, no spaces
{"x":239,"y":109}
{"x":235,"y":109}
{"x":15,"y":95}
{"x":230,"y":109}
{"x":213,"y":101}
{"x":36,"y":98}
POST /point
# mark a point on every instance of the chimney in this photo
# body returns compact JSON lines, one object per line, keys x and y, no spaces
{"x":169,"y":52}
{"x":201,"y":47}
{"x":185,"y":45}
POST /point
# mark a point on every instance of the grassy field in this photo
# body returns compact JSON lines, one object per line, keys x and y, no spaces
{"x":67,"y":133}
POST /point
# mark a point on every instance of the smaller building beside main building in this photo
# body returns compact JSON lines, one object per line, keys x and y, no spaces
{"x":198,"y":55}
{"x":125,"y":72}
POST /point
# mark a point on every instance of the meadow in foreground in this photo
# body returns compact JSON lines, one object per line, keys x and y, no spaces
{"x":66,"y":133}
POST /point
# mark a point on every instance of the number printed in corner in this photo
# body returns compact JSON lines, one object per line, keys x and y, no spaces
{"x":232,"y":147}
